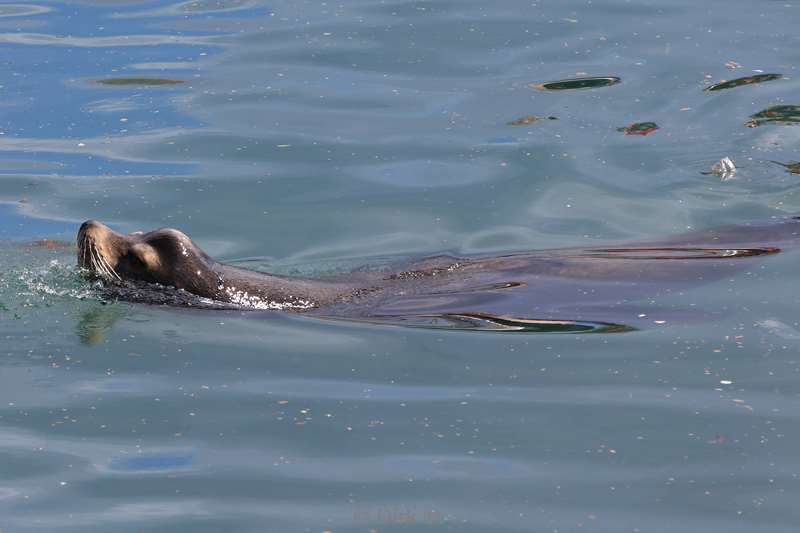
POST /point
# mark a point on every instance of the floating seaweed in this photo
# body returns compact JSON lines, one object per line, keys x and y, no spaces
{"x":576,"y":83}
{"x":530,"y":119}
{"x":777,"y":114}
{"x":139,"y":81}
{"x":747,"y":80}
{"x":792,"y":167}
{"x":639,"y":128}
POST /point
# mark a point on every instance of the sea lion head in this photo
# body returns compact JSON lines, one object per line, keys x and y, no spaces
{"x":165,"y":256}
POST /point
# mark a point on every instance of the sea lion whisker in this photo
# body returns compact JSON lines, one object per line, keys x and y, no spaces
{"x":109,"y":269}
{"x":93,"y":261}
{"x":99,"y":264}
{"x":82,"y":249}
{"x":88,"y":260}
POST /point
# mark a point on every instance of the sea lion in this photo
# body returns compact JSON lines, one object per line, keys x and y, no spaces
{"x":610,"y":286}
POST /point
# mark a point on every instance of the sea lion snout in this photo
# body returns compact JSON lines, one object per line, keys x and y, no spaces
{"x":165,"y":256}
{"x":99,"y":249}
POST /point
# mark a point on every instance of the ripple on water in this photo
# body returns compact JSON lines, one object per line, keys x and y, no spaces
{"x":22,"y":10}
{"x":194,"y":7}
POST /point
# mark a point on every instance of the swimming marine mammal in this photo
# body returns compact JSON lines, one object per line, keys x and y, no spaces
{"x":602,"y":284}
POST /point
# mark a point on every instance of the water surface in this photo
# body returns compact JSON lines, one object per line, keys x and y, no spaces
{"x":313,"y":137}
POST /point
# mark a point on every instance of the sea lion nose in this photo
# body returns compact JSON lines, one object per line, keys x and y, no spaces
{"x":89,"y":224}
{"x":92,"y":228}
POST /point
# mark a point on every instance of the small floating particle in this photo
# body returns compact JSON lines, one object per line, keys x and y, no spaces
{"x":725,"y":382}
{"x":785,"y":115}
{"x":639,"y":128}
{"x":747,"y":80}
{"x":576,"y":83}
{"x":282,"y":145}
{"x":685,"y":109}
{"x":139,"y":81}
{"x":732,"y":65}
{"x":81,"y":145}
{"x":660,"y":321}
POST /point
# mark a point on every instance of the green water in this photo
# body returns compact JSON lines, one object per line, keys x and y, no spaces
{"x":314,"y":137}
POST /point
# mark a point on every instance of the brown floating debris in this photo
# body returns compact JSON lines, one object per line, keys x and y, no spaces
{"x":530,"y":119}
{"x":576,"y":83}
{"x":747,"y":80}
{"x":639,"y":128}
{"x":139,"y":81}
{"x":777,"y":114}
{"x":51,"y":244}
{"x":792,"y":167}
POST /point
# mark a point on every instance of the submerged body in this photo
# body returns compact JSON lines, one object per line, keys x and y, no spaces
{"x":580,"y":288}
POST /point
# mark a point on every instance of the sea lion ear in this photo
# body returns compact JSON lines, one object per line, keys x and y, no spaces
{"x":147,"y":255}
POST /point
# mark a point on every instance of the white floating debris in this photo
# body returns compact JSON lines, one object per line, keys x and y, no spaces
{"x":725,"y":382}
{"x":724,"y":168}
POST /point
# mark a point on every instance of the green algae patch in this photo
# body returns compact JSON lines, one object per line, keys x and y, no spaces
{"x":572,"y":84}
{"x":747,"y":80}
{"x":139,"y":81}
{"x":639,"y":128}
{"x":786,"y":115}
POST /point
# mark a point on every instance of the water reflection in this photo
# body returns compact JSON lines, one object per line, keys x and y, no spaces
{"x":96,"y":322}
{"x":491,"y":323}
